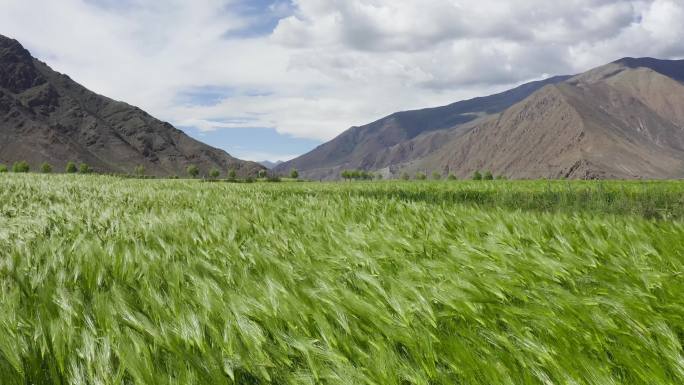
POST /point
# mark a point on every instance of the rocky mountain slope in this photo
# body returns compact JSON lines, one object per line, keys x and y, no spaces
{"x":384,"y":143}
{"x":623,"y":120}
{"x":47,"y":117}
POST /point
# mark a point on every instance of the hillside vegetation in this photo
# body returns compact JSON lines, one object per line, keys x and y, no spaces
{"x":112,"y":281}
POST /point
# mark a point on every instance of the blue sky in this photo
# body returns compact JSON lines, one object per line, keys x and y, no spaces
{"x":242,"y":140}
{"x":256,"y":143}
{"x":263,"y":15}
{"x":272,"y":79}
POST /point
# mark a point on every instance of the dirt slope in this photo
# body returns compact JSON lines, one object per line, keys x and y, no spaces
{"x":397,"y":138}
{"x":616,"y":122}
{"x":622,"y":120}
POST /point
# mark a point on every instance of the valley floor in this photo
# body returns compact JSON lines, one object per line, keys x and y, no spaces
{"x":112,"y":281}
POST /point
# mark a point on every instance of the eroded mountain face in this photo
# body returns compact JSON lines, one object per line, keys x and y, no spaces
{"x":47,"y":117}
{"x":405,"y":136}
{"x":622,"y":120}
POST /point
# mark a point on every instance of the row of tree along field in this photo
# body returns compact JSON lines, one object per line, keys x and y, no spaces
{"x":193,"y":171}
{"x":139,"y":171}
{"x":365,"y":175}
{"x":46,"y":168}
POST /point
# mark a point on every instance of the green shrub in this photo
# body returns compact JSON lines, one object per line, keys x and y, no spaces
{"x":45,"y":168}
{"x":477,"y":175}
{"x":214,"y":173}
{"x":488,"y":176}
{"x":294,"y":174}
{"x":83,"y":168}
{"x":452,"y":177}
{"x":21,"y":167}
{"x":356,"y":175}
{"x":193,"y":171}
{"x":421,"y":176}
{"x":3,"y":168}
{"x":71,"y":168}
{"x":436,"y":175}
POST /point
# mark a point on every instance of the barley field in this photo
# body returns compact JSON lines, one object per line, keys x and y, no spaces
{"x":120,"y":281}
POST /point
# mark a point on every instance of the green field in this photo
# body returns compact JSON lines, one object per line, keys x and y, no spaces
{"x":113,"y":281}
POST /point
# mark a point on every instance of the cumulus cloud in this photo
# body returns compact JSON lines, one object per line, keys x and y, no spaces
{"x":312,"y":68}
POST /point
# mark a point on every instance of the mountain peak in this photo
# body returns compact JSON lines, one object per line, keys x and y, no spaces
{"x":639,"y":61}
{"x":10,"y":47}
{"x":670,"y":68}
{"x":17,"y":70}
{"x":4,"y":40}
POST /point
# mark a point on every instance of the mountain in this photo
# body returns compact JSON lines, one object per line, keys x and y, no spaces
{"x":47,"y":117}
{"x":380,"y":144}
{"x":270,"y":165}
{"x":624,"y":120}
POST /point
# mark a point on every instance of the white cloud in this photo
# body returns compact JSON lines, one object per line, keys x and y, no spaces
{"x":332,"y":63}
{"x":260,"y":156}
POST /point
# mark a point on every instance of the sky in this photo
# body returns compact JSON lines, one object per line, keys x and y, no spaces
{"x":272,"y":79}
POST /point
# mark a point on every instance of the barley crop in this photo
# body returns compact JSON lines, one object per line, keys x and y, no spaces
{"x":107,"y":281}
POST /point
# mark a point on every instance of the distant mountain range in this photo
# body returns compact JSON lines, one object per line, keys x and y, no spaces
{"x":623,"y":120}
{"x":270,"y":165}
{"x":47,"y":117}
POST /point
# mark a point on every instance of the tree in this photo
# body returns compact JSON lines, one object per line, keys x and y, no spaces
{"x":3,"y":168}
{"x":232,"y":174}
{"x":294,"y":174}
{"x":477,"y":175}
{"x":273,"y":178}
{"x":355,"y":174}
{"x":452,"y":177}
{"x":139,"y":170}
{"x":193,"y":171}
{"x":214,"y":173}
{"x":436,"y":175}
{"x":346,"y":175}
{"x":421,"y":176}
{"x":262,"y":174}
{"x":21,"y":167}
{"x":405,"y":176}
{"x":84,"y":168}
{"x":71,"y":168}
{"x":45,"y":168}
{"x":488,"y":176}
